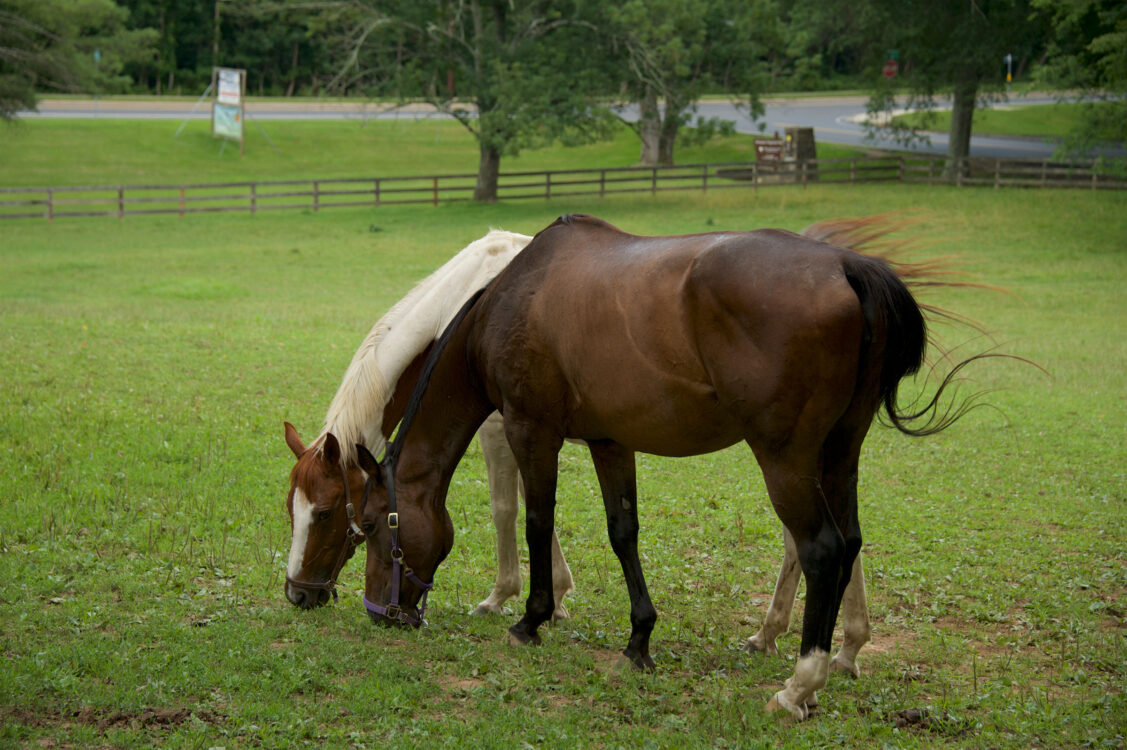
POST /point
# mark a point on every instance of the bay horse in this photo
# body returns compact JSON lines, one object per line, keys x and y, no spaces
{"x":674,"y":346}
{"x":370,"y":402}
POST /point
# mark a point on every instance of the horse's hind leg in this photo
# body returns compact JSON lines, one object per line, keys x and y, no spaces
{"x":855,"y":614}
{"x":778,"y":616}
{"x":614,"y":465}
{"x":504,"y":480}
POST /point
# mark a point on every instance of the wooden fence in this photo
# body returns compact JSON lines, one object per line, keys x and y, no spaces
{"x":313,"y":195}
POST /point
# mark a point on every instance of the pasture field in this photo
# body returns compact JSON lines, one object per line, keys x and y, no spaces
{"x":147,"y":152}
{"x":1041,"y":120}
{"x":148,"y":367}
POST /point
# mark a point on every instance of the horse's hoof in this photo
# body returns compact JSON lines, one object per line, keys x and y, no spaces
{"x":755,"y":645}
{"x":850,"y":668}
{"x":485,"y":609}
{"x":560,"y":614}
{"x":517,"y":638}
{"x":778,"y":705}
{"x":635,"y":663}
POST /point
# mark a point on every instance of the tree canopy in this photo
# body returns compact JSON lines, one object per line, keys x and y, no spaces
{"x":521,"y":73}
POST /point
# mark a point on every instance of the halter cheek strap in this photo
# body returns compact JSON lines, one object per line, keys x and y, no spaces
{"x":399,"y":570}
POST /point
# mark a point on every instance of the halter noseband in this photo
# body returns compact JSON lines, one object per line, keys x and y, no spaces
{"x":353,"y":538}
{"x":393,"y":611}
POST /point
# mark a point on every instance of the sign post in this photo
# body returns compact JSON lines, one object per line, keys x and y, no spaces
{"x":228,"y":104}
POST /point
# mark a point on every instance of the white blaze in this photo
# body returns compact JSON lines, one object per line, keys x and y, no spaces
{"x":302,"y":520}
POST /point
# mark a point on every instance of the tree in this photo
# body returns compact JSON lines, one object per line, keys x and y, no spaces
{"x":66,"y":45}
{"x":1087,"y":53}
{"x":951,"y":47}
{"x":525,"y":70}
{"x":676,"y":50}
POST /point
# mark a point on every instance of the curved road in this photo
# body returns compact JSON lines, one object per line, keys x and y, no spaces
{"x":834,"y":119}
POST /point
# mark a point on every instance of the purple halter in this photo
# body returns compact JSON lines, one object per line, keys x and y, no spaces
{"x":399,"y":568}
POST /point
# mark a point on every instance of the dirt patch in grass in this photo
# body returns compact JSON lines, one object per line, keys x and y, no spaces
{"x":107,"y":719}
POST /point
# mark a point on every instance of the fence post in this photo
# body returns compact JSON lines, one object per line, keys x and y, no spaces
{"x":997,"y":173}
{"x":316,"y":195}
{"x":547,"y":185}
{"x":852,"y":171}
{"x":434,"y":191}
{"x":120,"y":201}
{"x":376,"y":191}
{"x":181,"y":203}
{"x":1044,"y":172}
{"x":704,"y":179}
{"x":50,"y":204}
{"x":755,"y":178}
{"x":1095,"y":177}
{"x":253,"y":198}
{"x":803,"y":165}
{"x":900,"y":172}
{"x":602,"y":183}
{"x":653,"y":182}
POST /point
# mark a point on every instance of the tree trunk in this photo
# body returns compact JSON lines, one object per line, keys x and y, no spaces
{"x":293,"y":72}
{"x":670,"y":124}
{"x":649,"y":128}
{"x":962,"y":116}
{"x":485,"y":191}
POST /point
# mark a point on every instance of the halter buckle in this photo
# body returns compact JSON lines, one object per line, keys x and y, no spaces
{"x":393,"y":520}
{"x":393,"y":612}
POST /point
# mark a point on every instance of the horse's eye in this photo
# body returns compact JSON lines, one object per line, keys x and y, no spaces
{"x":324,"y":515}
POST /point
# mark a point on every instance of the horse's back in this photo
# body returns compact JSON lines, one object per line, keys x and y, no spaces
{"x":673,"y":342}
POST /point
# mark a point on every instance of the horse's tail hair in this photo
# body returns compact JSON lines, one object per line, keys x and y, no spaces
{"x":894,"y":316}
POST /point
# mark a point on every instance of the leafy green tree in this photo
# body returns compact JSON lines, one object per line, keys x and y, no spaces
{"x":949,"y":47}
{"x":1087,"y":53}
{"x":676,"y":50}
{"x":65,"y":45}
{"x":525,"y":70}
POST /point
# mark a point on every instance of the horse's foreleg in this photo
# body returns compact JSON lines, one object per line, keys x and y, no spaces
{"x":537,"y":455}
{"x":501,"y":468}
{"x":614,"y":465}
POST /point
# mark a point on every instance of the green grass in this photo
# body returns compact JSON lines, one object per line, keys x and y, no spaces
{"x":149,"y":364}
{"x":1045,"y":120}
{"x":140,"y":152}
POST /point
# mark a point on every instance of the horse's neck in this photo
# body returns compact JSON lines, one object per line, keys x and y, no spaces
{"x":452,"y":408}
{"x":356,"y":413}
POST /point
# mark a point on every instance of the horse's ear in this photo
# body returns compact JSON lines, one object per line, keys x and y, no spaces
{"x":330,"y":449}
{"x":368,"y":462}
{"x":293,"y":441}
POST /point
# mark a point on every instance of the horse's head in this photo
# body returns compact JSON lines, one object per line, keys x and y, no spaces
{"x":408,"y":536}
{"x":321,"y":489}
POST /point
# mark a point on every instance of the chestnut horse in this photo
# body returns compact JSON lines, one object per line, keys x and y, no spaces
{"x":370,"y":401}
{"x":674,"y":346}
{"x":367,"y":406}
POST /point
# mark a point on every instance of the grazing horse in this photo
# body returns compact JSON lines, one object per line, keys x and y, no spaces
{"x":674,"y":346}
{"x":370,"y":402}
{"x":366,"y":408}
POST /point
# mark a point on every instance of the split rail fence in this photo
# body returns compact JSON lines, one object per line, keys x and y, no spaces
{"x":313,"y":195}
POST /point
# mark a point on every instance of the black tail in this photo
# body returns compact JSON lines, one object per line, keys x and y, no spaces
{"x":884,"y":287}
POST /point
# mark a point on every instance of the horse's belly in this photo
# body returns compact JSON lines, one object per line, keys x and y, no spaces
{"x":662,"y":422}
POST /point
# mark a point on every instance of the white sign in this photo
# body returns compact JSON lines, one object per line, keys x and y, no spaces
{"x":230,"y":86}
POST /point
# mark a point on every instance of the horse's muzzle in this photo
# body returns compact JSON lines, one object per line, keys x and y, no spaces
{"x":306,"y":598}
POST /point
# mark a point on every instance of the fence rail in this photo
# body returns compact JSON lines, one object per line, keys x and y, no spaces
{"x":132,"y":200}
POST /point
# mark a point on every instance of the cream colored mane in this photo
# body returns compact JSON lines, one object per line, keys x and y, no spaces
{"x":356,"y":412}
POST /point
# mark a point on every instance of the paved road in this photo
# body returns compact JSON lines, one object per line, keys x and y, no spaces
{"x":834,"y":119}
